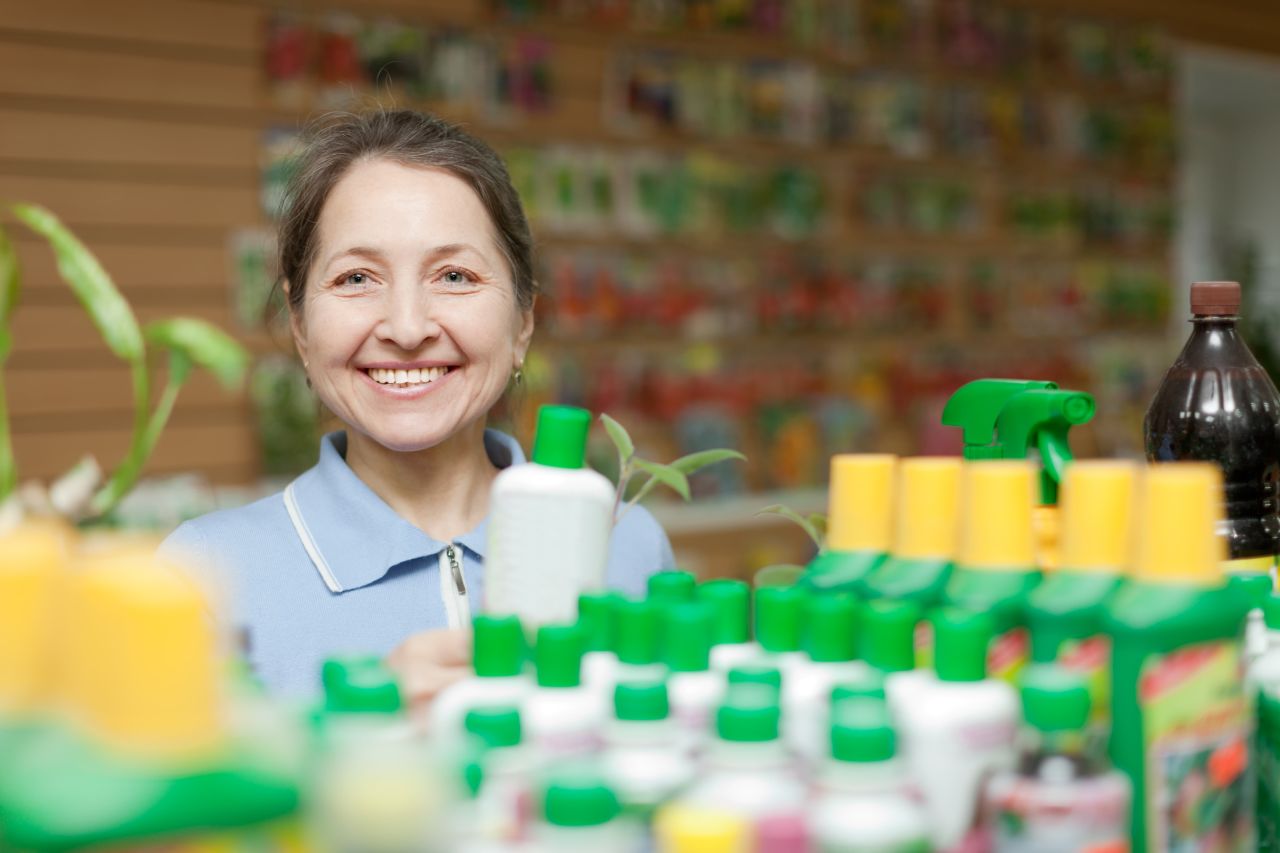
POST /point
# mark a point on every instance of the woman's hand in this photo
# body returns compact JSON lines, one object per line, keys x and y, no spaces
{"x":430,"y":661}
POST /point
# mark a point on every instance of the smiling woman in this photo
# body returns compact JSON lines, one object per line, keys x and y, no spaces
{"x":406,"y":257}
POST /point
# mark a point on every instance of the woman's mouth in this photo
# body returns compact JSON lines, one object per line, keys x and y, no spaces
{"x":410,"y":378}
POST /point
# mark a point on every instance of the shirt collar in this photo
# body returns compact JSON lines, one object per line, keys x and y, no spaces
{"x":355,"y":536}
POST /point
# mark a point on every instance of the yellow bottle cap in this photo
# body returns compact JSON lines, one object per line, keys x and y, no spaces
{"x":928,"y":523}
{"x":682,"y":829}
{"x":32,"y":570}
{"x":861,"y":502}
{"x":995,"y":527}
{"x":1046,"y":529}
{"x":1097,"y":515}
{"x":1179,"y":507}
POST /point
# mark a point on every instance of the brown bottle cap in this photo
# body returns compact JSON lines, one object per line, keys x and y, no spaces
{"x":1210,"y":298}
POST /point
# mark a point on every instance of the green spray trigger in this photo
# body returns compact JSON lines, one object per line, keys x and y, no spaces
{"x":1006,"y":418}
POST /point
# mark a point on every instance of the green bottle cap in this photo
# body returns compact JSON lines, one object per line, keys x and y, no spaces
{"x":686,"y":636}
{"x":497,"y":646}
{"x":861,"y":731}
{"x":558,"y":656}
{"x":363,"y":685}
{"x":960,"y":641}
{"x":749,"y":714}
{"x":637,"y":640}
{"x":672,"y":586}
{"x":1256,"y":585}
{"x":596,"y":617}
{"x":779,"y":617}
{"x":561,"y":437}
{"x":863,"y":686}
{"x":762,"y":674}
{"x":579,"y":801}
{"x":732,"y":601}
{"x":495,"y":726}
{"x":830,"y":630}
{"x":889,"y":634}
{"x":1271,"y":611}
{"x":641,"y":701}
{"x":1054,"y":699}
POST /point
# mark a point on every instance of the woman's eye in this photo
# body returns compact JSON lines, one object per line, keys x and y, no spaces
{"x":355,"y":278}
{"x":455,"y":277}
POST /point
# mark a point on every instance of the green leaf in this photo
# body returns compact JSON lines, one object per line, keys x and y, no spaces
{"x":782,"y":574}
{"x":107,"y":307}
{"x":204,"y":345}
{"x":790,"y":514}
{"x":819,"y":522}
{"x":666,"y":475}
{"x":620,"y":438}
{"x":10,"y":278}
{"x":697,"y":461}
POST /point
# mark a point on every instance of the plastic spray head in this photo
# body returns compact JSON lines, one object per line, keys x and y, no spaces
{"x":960,"y":639}
{"x":638,"y":640}
{"x":888,"y":639}
{"x":495,"y":726}
{"x":1179,"y":507}
{"x":1097,"y":516}
{"x":928,"y":518}
{"x":831,"y":628}
{"x":1054,"y":699}
{"x":641,"y":701}
{"x":557,"y":656}
{"x":861,"y":731}
{"x":361,"y":685}
{"x":779,"y":618}
{"x":672,"y":587}
{"x":686,"y":636}
{"x":761,"y":675}
{"x":749,"y":714}
{"x":995,"y":525}
{"x":32,"y":569}
{"x":1007,"y":418}
{"x":860,"y":510}
{"x":560,"y":440}
{"x":579,"y":801}
{"x":497,"y":646}
{"x":732,"y":602}
{"x":597,"y":618}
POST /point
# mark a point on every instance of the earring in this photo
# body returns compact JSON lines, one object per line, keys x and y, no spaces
{"x":518,"y":376}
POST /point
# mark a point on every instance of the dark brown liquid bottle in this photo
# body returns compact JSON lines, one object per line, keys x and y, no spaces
{"x":1217,"y":404}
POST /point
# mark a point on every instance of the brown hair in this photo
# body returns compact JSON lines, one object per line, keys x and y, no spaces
{"x":337,"y":143}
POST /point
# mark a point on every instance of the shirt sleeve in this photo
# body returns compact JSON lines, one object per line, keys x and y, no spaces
{"x":638,"y":548}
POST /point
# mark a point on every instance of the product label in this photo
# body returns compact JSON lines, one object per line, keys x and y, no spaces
{"x":1090,"y":658}
{"x":1008,"y":654}
{"x":1088,"y":815}
{"x":924,"y":644}
{"x":1268,"y":769}
{"x":1196,"y":731}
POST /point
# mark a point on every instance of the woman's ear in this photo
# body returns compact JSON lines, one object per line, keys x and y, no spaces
{"x":525,"y":334}
{"x":296,"y":327}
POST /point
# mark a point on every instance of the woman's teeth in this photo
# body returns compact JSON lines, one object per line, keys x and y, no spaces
{"x":406,"y":378}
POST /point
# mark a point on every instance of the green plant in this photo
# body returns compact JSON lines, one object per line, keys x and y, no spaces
{"x":673,"y":475}
{"x":187,"y":342}
{"x":814,"y":524}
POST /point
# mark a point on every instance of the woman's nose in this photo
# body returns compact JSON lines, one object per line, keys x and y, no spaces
{"x":408,"y":320}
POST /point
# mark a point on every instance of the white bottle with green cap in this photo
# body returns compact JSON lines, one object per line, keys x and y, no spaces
{"x":644,"y":760}
{"x":581,"y":812}
{"x":506,"y":774}
{"x":695,"y":689}
{"x":562,"y":718}
{"x":549,"y":525}
{"x":731,"y":638}
{"x":864,"y":798}
{"x":497,"y":658}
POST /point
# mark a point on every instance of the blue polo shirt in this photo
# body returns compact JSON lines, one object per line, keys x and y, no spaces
{"x":327,"y":568}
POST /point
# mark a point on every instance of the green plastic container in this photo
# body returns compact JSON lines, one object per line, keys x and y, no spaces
{"x":924,"y":535}
{"x":860,"y":522}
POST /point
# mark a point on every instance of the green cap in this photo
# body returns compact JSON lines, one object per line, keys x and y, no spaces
{"x":637,"y":639}
{"x":561,"y":437}
{"x":889,"y":634}
{"x":862,"y":686}
{"x":596,"y":618}
{"x":495,"y":726}
{"x":1271,"y":611}
{"x":779,"y":617}
{"x":641,"y":701}
{"x":672,"y":586}
{"x":579,"y":801}
{"x":558,"y":656}
{"x":1054,"y":699}
{"x":686,"y":636}
{"x":360,"y":685}
{"x":762,"y":674}
{"x":749,"y":714}
{"x":497,"y":646}
{"x":830,"y":628}
{"x":861,"y":731}
{"x":960,"y":641}
{"x":1256,"y":585}
{"x":732,"y":601}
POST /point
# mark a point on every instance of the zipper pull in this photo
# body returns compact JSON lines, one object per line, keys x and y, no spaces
{"x":456,"y":569}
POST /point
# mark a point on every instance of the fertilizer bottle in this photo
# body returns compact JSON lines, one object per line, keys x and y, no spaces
{"x":597,"y":617}
{"x":830,"y":638}
{"x":859,"y":521}
{"x":732,"y":634}
{"x":644,"y":760}
{"x":888,"y":645}
{"x":562,"y":718}
{"x":780,"y":625}
{"x":695,"y":690}
{"x":497,"y":657}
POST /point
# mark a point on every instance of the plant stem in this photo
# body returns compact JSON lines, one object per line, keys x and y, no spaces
{"x":8,"y":467}
{"x":624,"y":476}
{"x":125,"y":476}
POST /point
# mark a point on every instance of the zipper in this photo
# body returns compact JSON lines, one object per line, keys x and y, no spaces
{"x":453,"y":587}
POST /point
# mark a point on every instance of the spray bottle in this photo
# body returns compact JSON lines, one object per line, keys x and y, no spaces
{"x":859,"y":522}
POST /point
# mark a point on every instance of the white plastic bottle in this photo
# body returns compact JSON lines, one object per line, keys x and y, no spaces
{"x":498,"y":655}
{"x":562,"y":718}
{"x":597,"y":616}
{"x":644,"y":761}
{"x":731,"y":638}
{"x":959,"y":729}
{"x":888,"y":644}
{"x":864,"y":798}
{"x":549,"y":525}
{"x":580,"y":812}
{"x":779,"y":621}
{"x":695,"y":690}
{"x":504,"y":798}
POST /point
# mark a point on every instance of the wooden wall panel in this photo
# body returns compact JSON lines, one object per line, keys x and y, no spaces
{"x":172,"y":24}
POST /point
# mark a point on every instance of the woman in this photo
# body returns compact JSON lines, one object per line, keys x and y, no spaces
{"x":406,"y":259}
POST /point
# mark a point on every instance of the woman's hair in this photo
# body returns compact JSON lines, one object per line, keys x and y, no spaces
{"x":339,"y":142}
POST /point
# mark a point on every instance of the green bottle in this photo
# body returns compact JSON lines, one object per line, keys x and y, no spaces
{"x":997,"y":565}
{"x":1267,"y":766}
{"x":924,"y":538}
{"x":859,"y":522}
{"x":1181,"y":720}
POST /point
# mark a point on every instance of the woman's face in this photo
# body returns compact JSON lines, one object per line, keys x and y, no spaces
{"x":410,"y":327}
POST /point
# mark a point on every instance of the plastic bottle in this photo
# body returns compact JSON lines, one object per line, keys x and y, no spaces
{"x":996,"y":569}
{"x":581,"y":812}
{"x":1264,"y":670}
{"x":1267,"y":763}
{"x":644,"y":760}
{"x":732,"y":635}
{"x":760,"y":674}
{"x":864,"y":802}
{"x":957,"y":729}
{"x":1065,"y":612}
{"x":925,"y":533}
{"x":1062,"y":798}
{"x":1180,"y":721}
{"x":562,"y":718}
{"x":504,"y":801}
{"x":549,"y":525}
{"x":682,"y":829}
{"x":638,"y":641}
{"x":695,"y":690}
{"x":780,"y":624}
{"x":597,"y":616}
{"x":1217,"y":404}
{"x":497,"y":657}
{"x":1258,"y":586}
{"x":859,"y":521}
{"x":888,"y":644}
{"x":672,"y":587}
{"x":830,"y":638}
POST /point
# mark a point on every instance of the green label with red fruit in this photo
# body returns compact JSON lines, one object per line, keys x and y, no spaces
{"x":1090,"y":658}
{"x":1008,"y":654}
{"x":1197,"y":727}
